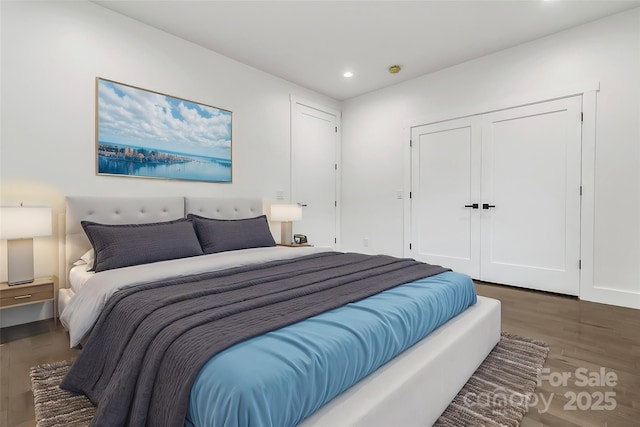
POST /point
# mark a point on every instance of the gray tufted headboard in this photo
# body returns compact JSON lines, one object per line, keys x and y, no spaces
{"x":141,"y":210}
{"x":219,"y":208}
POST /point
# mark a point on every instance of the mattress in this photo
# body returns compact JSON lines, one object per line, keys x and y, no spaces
{"x":78,"y":276}
{"x":350,"y":342}
{"x":282,"y":377}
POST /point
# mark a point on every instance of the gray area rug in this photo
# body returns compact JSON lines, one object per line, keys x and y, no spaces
{"x":496,"y":394}
{"x":499,"y":392}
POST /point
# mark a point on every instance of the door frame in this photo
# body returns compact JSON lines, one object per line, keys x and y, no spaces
{"x":589,"y":91}
{"x":294,"y":102}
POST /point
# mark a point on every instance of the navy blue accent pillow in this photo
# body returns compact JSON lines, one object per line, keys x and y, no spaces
{"x":220,"y":235}
{"x":124,"y":245}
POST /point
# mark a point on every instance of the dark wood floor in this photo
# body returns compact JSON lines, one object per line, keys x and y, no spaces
{"x":581,"y":335}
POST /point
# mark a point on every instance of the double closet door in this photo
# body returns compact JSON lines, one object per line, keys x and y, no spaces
{"x":497,"y":196}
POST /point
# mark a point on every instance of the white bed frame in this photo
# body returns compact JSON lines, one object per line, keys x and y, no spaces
{"x":411,"y":390}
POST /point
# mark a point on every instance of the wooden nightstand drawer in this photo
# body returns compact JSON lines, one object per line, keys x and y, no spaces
{"x":26,"y":294}
{"x":36,"y":292}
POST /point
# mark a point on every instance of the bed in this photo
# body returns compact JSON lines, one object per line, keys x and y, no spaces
{"x":413,"y":388}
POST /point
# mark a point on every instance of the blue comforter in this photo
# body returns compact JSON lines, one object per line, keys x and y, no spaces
{"x":280,"y":378}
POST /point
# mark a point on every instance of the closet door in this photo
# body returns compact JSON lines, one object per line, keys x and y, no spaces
{"x":445,"y":226}
{"x":531,"y":196}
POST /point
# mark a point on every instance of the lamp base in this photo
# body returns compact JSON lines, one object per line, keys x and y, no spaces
{"x":286,"y":236}
{"x":20,"y":261}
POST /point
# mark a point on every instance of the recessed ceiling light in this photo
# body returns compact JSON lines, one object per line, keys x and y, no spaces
{"x":348,"y":74}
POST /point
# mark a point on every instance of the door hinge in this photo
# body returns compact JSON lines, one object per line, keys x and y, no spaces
{"x":581,"y":190}
{"x":335,"y":165}
{"x":409,"y":246}
{"x":581,"y":117}
{"x":579,"y":264}
{"x":410,"y":143}
{"x":335,"y":240}
{"x":336,"y":129}
{"x":410,"y":195}
{"x":335,"y":203}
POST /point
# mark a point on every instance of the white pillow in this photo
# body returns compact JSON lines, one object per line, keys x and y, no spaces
{"x":87,"y":258}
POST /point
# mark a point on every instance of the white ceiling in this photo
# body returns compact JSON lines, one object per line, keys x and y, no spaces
{"x":312,"y":43}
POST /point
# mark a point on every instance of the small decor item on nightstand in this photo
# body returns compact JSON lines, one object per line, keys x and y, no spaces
{"x":19,"y":225}
{"x":299,"y":239}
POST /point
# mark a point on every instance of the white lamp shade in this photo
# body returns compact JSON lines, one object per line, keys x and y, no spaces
{"x":24,"y":222}
{"x":286,"y":213}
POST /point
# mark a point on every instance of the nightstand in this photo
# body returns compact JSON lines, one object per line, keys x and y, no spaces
{"x":40,"y":290}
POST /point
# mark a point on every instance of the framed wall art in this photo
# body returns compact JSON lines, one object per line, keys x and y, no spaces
{"x":141,"y":133}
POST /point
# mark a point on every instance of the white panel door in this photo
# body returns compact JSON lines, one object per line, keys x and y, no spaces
{"x":313,"y":172}
{"x":444,"y":222}
{"x":531,"y":196}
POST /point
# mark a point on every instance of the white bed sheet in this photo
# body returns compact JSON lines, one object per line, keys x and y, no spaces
{"x":84,"y":307}
{"x":78,"y":276}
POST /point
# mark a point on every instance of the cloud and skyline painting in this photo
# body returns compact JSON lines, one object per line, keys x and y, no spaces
{"x":147,"y":134}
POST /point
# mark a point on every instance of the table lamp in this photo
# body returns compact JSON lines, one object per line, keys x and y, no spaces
{"x":19,"y":225}
{"x":286,"y":214}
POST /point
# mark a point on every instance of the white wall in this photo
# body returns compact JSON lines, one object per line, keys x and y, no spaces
{"x":52,"y":53}
{"x":374,"y":138}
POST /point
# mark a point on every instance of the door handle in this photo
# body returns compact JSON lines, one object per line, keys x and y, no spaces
{"x":487,"y":206}
{"x":473,"y":206}
{"x":302,"y":205}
